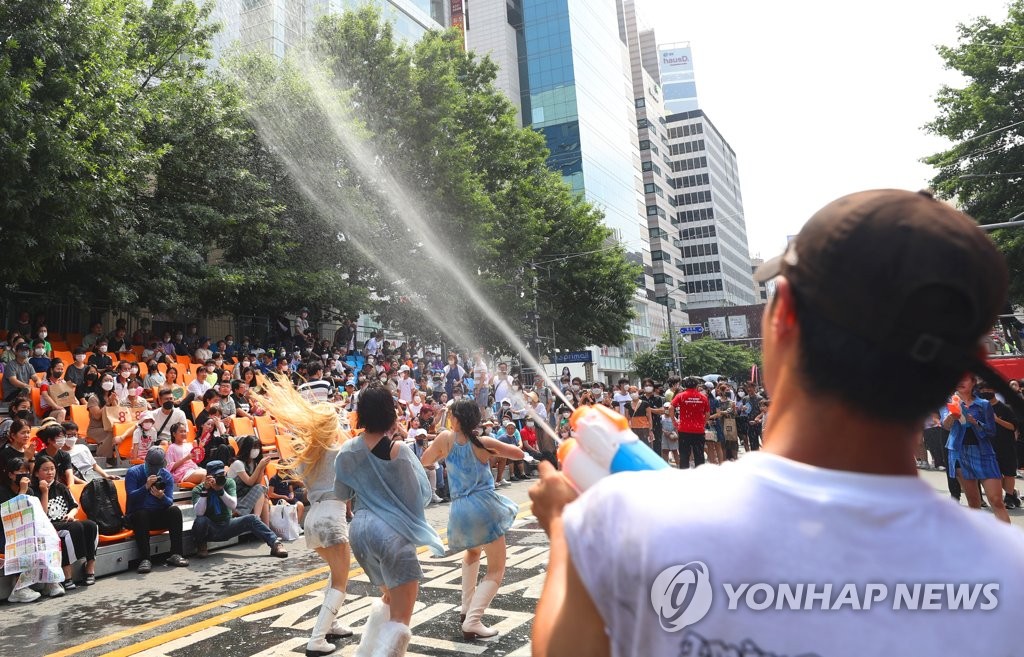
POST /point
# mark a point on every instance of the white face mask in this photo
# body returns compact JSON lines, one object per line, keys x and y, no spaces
{"x":648,"y":389}
{"x":634,"y":396}
{"x":253,"y":453}
{"x":107,"y":385}
{"x":103,"y":349}
{"x":40,"y":351}
{"x":70,"y":441}
{"x":58,"y":442}
{"x":529,"y":424}
{"x":575,"y":387}
{"x":79,"y":358}
{"x":42,"y":335}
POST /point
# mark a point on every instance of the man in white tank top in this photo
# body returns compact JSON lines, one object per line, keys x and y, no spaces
{"x":826,"y":542}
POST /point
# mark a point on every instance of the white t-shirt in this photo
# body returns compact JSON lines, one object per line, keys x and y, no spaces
{"x":501,"y":386}
{"x":405,"y":389}
{"x":164,"y":429}
{"x":782,"y":523}
{"x":620,"y":400}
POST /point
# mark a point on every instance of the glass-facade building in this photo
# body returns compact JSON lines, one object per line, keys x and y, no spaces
{"x":576,"y":90}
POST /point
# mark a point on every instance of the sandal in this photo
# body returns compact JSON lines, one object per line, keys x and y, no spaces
{"x":69,"y":584}
{"x":90,"y":579}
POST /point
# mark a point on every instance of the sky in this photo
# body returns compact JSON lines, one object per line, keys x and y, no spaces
{"x":818,"y":98}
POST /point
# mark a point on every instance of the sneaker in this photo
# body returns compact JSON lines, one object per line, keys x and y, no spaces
{"x":69,"y":584}
{"x":145,"y":566}
{"x":177,"y":560}
{"x":277,"y":550}
{"x":503,"y":483}
{"x":23,"y":595}
{"x":53,"y":590}
{"x":435,"y":499}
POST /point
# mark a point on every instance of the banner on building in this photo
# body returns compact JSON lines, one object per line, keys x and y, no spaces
{"x":458,"y":8}
{"x":738,"y":327}
{"x":717,"y":328}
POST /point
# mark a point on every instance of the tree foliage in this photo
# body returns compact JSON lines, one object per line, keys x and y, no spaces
{"x":351,"y":176}
{"x":984,"y":168}
{"x":699,"y":358}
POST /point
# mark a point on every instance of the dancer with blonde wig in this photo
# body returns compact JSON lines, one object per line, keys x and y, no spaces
{"x":315,"y":436}
{"x":391,"y":491}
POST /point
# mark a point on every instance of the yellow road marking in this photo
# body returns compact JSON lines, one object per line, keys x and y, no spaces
{"x":525,"y":510}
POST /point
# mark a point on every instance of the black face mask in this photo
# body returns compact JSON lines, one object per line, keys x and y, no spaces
{"x":987,"y":395}
{"x":90,"y":378}
{"x":167,"y":405}
{"x":23,"y":415}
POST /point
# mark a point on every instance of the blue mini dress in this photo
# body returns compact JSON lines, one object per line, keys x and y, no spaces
{"x":478,"y":514}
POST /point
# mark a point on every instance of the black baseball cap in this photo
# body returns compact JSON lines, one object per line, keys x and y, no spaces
{"x":866,"y":261}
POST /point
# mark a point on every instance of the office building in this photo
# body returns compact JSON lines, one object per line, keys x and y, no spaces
{"x":568,"y":63}
{"x":655,"y":167}
{"x":709,"y":213}
{"x":275,"y":26}
{"x":675,"y":65}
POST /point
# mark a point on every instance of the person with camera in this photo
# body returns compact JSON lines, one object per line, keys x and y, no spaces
{"x":150,"y":506}
{"x":214,"y":501}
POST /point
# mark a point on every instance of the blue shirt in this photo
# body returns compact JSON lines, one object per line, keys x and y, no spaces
{"x":509,"y":439}
{"x":39,"y":363}
{"x":981,"y":411}
{"x":138,"y":497}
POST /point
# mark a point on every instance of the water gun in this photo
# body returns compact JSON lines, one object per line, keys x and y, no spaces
{"x":603,"y":445}
{"x":955,"y":408}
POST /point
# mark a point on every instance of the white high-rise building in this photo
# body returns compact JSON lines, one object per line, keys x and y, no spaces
{"x":277,"y":25}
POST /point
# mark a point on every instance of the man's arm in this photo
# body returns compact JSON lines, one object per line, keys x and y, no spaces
{"x":567,"y":621}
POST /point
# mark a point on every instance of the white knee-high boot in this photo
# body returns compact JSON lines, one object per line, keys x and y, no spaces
{"x":432,"y":479}
{"x":392,"y":640}
{"x":337,"y":630}
{"x":318,"y":644}
{"x":380,"y":614}
{"x":472,"y":627}
{"x":470,"y":573}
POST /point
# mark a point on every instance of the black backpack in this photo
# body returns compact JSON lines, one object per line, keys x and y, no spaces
{"x":99,"y":501}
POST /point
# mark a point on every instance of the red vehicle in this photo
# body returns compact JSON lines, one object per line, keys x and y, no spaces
{"x":1011,"y":367}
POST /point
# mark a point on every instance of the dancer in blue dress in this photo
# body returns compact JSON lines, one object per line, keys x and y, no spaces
{"x":479,"y":516}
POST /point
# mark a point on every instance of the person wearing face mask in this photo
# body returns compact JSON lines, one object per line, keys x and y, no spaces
{"x":1003,"y":443}
{"x":203,"y":352}
{"x":51,"y":407}
{"x":16,"y":479}
{"x":39,"y":360}
{"x":501,"y":384}
{"x":639,"y":413}
{"x":621,"y":397}
{"x":154,"y":377}
{"x":248,"y":470}
{"x":406,"y":386}
{"x":518,"y":401}
{"x":74,"y":373}
{"x":53,"y":439}
{"x":18,"y":374}
{"x":181,"y":346}
{"x":124,"y":384}
{"x":41,"y":334}
{"x":453,"y":374}
{"x":99,"y":358}
{"x":19,"y":409}
{"x":166,"y":415}
{"x":650,"y":394}
{"x":83,"y":464}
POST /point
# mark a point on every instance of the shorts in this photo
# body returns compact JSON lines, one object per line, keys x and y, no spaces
{"x":325,"y":525}
{"x":974,"y":463}
{"x":1006,"y":455}
{"x":249,"y":500}
{"x":669,"y":442}
{"x":388,"y":558}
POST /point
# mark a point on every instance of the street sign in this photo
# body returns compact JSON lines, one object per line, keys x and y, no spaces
{"x":574,"y":357}
{"x":692,"y":329}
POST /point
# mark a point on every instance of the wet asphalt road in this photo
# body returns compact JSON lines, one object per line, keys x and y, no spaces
{"x":242,"y":602}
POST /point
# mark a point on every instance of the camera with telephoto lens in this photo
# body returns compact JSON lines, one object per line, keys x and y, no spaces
{"x":220,"y":479}
{"x":160,"y":484}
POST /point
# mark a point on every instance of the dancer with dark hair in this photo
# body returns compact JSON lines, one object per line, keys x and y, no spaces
{"x":391,"y":491}
{"x":479,"y":516}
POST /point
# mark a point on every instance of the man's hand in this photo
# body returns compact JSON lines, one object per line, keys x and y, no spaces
{"x":550,"y":495}
{"x":150,"y":480}
{"x":156,"y":492}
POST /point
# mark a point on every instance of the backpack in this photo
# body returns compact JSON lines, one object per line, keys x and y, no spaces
{"x":99,"y":501}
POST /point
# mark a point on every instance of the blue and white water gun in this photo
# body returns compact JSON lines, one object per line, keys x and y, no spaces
{"x":603,"y":445}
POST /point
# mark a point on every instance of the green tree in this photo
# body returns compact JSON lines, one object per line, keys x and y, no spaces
{"x":708,"y":356}
{"x":481,"y":183}
{"x":983,"y":169}
{"x":651,"y":365}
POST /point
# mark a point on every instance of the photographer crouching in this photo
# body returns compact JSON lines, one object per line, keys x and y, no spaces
{"x":214,"y":500}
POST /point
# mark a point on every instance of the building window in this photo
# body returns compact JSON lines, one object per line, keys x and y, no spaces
{"x":640,"y":102}
{"x":645,"y":144}
{"x":652,"y":210}
{"x":659,"y":255}
{"x":647,"y":166}
{"x":641,"y":123}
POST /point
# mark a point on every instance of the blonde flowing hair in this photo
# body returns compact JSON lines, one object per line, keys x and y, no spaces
{"x":308,"y":428}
